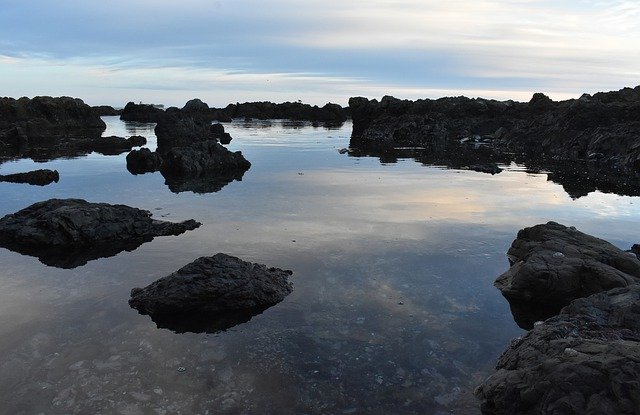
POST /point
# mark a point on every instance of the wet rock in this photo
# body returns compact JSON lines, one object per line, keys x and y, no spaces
{"x":179,"y":129}
{"x":69,"y":232}
{"x":212,"y":294}
{"x":486,"y":168}
{"x":40,"y":177}
{"x":602,"y":131}
{"x":143,"y":161}
{"x":551,"y":265}
{"x":141,"y":113}
{"x":203,"y":158}
{"x":586,"y":360}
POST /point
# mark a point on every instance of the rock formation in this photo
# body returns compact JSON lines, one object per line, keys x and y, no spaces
{"x":141,"y":113}
{"x":212,"y":294}
{"x":41,"y":177}
{"x":67,"y":233}
{"x":586,"y":360}
{"x":552,"y":264}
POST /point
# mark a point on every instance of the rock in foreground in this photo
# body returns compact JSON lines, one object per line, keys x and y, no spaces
{"x":553,"y":265}
{"x":584,"y":361}
{"x":41,"y":177}
{"x":67,"y":233}
{"x":220,"y":291}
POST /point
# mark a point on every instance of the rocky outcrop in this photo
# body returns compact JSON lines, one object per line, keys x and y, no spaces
{"x":106,"y":110}
{"x":329,"y":113}
{"x":202,"y":157}
{"x":143,"y":161}
{"x":141,"y":113}
{"x":601,"y":130}
{"x":41,"y":177}
{"x":69,"y":232}
{"x":212,"y":294}
{"x":184,"y":127}
{"x":552,"y":264}
{"x":44,"y":121}
{"x":586,"y":360}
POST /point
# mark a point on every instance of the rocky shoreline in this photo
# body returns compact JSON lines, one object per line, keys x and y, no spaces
{"x":585,"y":356}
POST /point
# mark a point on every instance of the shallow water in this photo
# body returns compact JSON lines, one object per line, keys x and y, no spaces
{"x":393,"y":308}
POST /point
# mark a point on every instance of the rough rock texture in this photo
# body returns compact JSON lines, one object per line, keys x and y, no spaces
{"x":141,"y":113}
{"x":44,"y":121}
{"x":203,"y":157}
{"x":184,"y":127}
{"x":601,"y":132}
{"x":553,"y":264}
{"x":69,"y":232}
{"x":143,"y":161}
{"x":584,"y":361}
{"x":40,"y":177}
{"x":218,"y":287}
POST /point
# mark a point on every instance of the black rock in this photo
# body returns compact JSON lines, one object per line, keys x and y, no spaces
{"x":329,"y":113}
{"x":553,"y":265}
{"x":201,"y":158}
{"x":67,"y":233}
{"x":102,"y":110}
{"x":143,"y":161}
{"x":586,"y":360}
{"x":141,"y":113}
{"x":219,"y":292}
{"x":40,"y":177}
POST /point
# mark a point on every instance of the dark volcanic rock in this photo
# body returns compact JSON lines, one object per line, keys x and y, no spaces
{"x":220,"y":291}
{"x":553,"y":265}
{"x":107,"y":110}
{"x":143,"y":161}
{"x":141,"y":113}
{"x":586,"y":360}
{"x":600,"y":132}
{"x":202,"y":157}
{"x":329,"y":113}
{"x":40,"y":177}
{"x":69,"y":232}
{"x":184,"y":127}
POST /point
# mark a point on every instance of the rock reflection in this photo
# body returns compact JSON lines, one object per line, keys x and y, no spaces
{"x":208,"y":183}
{"x":204,"y":322}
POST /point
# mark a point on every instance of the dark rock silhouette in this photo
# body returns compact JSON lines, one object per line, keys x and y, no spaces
{"x":586,"y":360}
{"x":592,"y":134}
{"x":67,"y":233}
{"x":329,"y":113}
{"x":202,"y":157}
{"x":141,"y":113}
{"x":551,"y":265}
{"x":40,"y":177}
{"x":143,"y":161}
{"x":102,"y":110}
{"x":211,"y":294}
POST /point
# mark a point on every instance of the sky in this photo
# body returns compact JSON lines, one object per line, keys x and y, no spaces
{"x":228,"y":51}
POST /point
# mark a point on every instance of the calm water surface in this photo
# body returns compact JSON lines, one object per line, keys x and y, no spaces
{"x":393,"y":308}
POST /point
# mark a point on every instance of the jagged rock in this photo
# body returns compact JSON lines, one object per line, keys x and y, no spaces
{"x":180,"y":128}
{"x":202,"y":157}
{"x":553,"y":265}
{"x":141,"y":113}
{"x":219,"y":291}
{"x":586,"y":360}
{"x":40,"y":177}
{"x":143,"y":161}
{"x":69,"y":232}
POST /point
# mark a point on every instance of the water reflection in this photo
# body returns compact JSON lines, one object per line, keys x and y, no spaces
{"x":394,"y":309}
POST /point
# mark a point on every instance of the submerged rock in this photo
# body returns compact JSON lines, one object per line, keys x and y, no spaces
{"x":41,"y":177}
{"x":586,"y":360}
{"x":212,"y":293}
{"x":67,"y":233}
{"x":551,"y":265}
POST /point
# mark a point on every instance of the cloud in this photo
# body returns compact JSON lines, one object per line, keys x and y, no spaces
{"x":407,"y":46}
